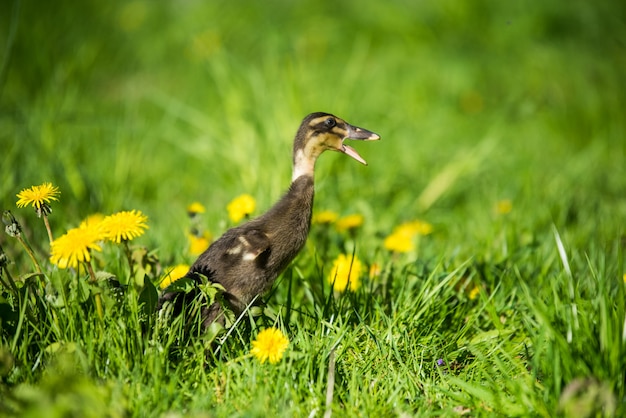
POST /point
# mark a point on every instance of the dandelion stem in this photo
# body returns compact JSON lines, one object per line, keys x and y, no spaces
{"x":99,"y":310}
{"x":97,"y":297}
{"x":47,"y":223}
{"x":92,"y":274}
{"x":129,"y":257}
{"x":237,"y":359}
{"x":30,"y":253}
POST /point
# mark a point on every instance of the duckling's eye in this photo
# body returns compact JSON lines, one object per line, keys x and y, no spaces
{"x":330,"y":122}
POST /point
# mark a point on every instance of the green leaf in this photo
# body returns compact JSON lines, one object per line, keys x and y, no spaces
{"x":139,"y":279}
{"x":53,"y":297}
{"x":182,"y":285}
{"x":79,"y":290}
{"x":212,"y":332}
{"x":30,"y":277}
{"x":102,"y":276}
{"x":148,"y":298}
{"x":210,"y":290}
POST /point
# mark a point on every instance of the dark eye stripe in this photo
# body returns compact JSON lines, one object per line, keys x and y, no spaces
{"x":322,"y":122}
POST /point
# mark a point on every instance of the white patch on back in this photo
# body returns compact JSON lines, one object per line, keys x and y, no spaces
{"x":235,"y":250}
{"x":248,"y":256}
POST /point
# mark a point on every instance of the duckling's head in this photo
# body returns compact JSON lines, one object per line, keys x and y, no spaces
{"x":319,"y":132}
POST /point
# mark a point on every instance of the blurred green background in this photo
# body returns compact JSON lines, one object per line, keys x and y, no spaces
{"x":152,"y":105}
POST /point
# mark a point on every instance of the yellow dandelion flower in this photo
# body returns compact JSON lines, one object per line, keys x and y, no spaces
{"x":75,"y":246}
{"x":172,"y":274}
{"x":38,"y":196}
{"x":346,"y":270}
{"x":349,"y":222}
{"x":399,"y":242}
{"x":195,"y":208}
{"x":92,"y":220}
{"x":198,"y":244}
{"x":375,"y":270}
{"x":473,"y":294}
{"x":504,"y":206}
{"x":124,"y":226}
{"x":240,"y":207}
{"x":625,"y":278}
{"x":270,"y":345}
{"x":325,"y":217}
{"x":415,"y":228}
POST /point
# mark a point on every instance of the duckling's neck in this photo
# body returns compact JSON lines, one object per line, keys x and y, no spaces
{"x":287,"y":223}
{"x":303,"y":165}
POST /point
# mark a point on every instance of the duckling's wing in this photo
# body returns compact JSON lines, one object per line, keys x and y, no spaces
{"x":253,"y":243}
{"x":245,"y":245}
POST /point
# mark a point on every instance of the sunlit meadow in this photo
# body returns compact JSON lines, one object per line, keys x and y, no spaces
{"x":475,"y":267}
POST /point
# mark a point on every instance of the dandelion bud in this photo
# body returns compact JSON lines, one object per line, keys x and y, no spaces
{"x":12,"y":227}
{"x":43,"y":210}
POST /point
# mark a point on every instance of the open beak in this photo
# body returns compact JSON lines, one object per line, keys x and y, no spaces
{"x":357,"y":134}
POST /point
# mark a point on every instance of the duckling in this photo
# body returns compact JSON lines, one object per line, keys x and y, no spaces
{"x":248,"y":258}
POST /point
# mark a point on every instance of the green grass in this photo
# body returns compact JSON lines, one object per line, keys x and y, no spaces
{"x":151,"y":107}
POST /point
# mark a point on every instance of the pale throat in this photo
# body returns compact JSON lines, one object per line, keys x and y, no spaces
{"x":302,"y":165}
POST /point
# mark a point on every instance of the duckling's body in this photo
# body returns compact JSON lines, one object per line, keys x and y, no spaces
{"x":247,"y":259}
